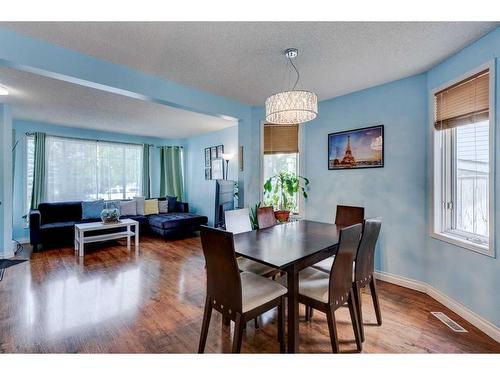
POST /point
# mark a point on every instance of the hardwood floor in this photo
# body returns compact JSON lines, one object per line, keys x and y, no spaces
{"x":152,"y":302}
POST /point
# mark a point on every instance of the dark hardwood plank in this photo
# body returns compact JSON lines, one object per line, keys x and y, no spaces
{"x":116,"y":302}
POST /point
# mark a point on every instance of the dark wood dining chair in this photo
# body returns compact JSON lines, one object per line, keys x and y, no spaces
{"x":237,"y":296}
{"x":345,"y":216}
{"x":265,"y":217}
{"x":328,"y":292}
{"x":349,"y":215}
{"x":238,"y":221}
{"x":364,"y":267}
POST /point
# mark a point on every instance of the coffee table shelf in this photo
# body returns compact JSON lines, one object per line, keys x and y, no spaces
{"x":81,"y":229}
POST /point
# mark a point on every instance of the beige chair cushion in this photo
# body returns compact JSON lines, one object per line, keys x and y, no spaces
{"x":312,"y":283}
{"x":248,"y":265}
{"x":257,"y":290}
{"x":325,"y":265}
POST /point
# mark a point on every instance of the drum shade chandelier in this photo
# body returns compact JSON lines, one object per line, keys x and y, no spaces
{"x":292,"y":106}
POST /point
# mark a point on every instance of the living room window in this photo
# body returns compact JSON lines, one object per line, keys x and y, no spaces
{"x":281,"y":153}
{"x":78,"y":169}
{"x":463,"y":163}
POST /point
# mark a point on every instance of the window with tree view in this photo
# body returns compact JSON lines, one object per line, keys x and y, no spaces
{"x":85,"y":169}
{"x":281,"y":154}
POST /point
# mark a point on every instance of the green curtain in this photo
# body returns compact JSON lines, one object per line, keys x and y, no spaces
{"x":146,"y":182}
{"x":171,"y":179}
{"x":38,"y":192}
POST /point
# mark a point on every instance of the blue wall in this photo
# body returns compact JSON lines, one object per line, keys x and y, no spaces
{"x":399,"y":191}
{"x":6,"y":250}
{"x":21,"y":127}
{"x":200,"y":192}
{"x":470,"y":278}
{"x":395,"y":192}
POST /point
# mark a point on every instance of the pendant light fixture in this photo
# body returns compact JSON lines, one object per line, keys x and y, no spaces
{"x":293,"y":106}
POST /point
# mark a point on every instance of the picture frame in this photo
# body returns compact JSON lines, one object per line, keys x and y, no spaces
{"x":213,"y":153}
{"x":207,"y":157}
{"x":220,"y":150}
{"x":356,"y":148}
{"x":208,"y":173}
{"x":218,"y":169}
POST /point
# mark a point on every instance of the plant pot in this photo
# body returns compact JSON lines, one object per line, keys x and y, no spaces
{"x":282,"y":215}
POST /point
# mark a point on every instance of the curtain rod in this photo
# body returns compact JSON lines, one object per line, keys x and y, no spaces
{"x":97,"y":140}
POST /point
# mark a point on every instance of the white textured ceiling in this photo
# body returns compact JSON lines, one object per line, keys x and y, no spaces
{"x":44,"y":99}
{"x":243,"y":61}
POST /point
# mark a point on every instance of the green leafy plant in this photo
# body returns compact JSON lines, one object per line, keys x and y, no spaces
{"x":280,"y":190}
{"x":253,"y":216}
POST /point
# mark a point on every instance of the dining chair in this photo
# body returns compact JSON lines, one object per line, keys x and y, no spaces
{"x":327,"y":292}
{"x":238,"y":221}
{"x":265,"y":217}
{"x":238,"y":296}
{"x":345,"y":216}
{"x":364,"y":267}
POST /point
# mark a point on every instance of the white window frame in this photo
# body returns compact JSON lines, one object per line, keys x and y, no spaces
{"x":301,"y":172}
{"x":436,"y":186}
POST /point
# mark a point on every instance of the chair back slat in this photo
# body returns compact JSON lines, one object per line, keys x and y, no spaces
{"x":366,"y":251}
{"x":341,"y":272}
{"x":223,"y":275}
{"x":265,"y":217}
{"x":238,"y":221}
{"x":349,"y":215}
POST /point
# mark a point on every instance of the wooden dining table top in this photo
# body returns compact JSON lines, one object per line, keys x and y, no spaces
{"x":281,"y":245}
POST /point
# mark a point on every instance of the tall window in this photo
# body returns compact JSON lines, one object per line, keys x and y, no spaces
{"x":84,"y":169}
{"x":462,"y":165}
{"x":281,"y":153}
{"x":30,"y":164}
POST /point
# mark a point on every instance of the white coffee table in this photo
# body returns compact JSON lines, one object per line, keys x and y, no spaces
{"x":81,"y":240}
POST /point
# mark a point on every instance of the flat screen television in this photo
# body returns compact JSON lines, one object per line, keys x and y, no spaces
{"x":224,"y":200}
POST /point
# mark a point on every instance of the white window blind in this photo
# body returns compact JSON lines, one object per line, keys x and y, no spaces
{"x":84,"y":169}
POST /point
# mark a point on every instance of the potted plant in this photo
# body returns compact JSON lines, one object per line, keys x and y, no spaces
{"x":280,"y":191}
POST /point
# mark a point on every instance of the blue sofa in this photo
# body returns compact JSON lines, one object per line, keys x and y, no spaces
{"x":53,"y":223}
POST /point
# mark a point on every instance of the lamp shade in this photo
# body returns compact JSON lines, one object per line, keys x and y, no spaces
{"x":291,"y":107}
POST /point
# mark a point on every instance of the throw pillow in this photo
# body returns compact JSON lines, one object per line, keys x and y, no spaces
{"x":151,"y":207}
{"x":140,"y":205}
{"x":172,"y":203}
{"x":92,"y":209}
{"x":163,"y":207}
{"x":128,"y":208}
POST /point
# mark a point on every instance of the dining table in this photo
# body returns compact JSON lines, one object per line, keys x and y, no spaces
{"x":290,"y":247}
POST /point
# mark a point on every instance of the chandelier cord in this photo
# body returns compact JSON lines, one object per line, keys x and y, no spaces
{"x":296,"y":71}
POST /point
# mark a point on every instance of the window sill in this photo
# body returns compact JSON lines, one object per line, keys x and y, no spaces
{"x":469,"y":245}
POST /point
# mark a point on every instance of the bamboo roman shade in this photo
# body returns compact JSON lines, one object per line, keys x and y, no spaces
{"x":463,"y":103}
{"x":281,"y":139}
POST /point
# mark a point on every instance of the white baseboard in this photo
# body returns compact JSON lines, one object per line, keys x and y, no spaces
{"x":477,"y":321}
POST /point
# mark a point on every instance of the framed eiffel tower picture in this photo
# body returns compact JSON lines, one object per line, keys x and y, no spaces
{"x":357,"y":148}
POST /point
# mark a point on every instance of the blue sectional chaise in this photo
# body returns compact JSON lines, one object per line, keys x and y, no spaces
{"x":53,"y":223}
